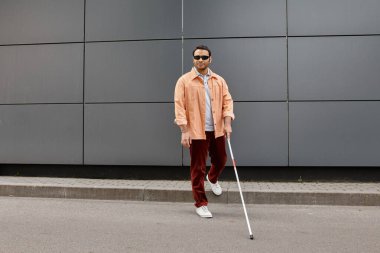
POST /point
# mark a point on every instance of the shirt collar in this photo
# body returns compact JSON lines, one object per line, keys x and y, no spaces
{"x":195,"y":73}
{"x":199,"y":74}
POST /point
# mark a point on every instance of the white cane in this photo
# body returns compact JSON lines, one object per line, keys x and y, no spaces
{"x":241,"y":194}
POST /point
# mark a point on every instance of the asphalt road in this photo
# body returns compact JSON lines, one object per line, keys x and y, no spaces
{"x":64,"y":225}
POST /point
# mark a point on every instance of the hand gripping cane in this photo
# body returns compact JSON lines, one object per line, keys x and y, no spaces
{"x":241,"y":194}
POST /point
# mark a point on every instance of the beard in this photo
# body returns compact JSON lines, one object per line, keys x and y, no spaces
{"x":201,"y":66}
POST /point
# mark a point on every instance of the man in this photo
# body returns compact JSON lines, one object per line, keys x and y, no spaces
{"x":204,"y":111}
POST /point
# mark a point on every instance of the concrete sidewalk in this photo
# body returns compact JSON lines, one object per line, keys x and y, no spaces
{"x":365,"y":194}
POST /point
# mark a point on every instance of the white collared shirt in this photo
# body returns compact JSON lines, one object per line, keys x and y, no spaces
{"x":209,"y":120}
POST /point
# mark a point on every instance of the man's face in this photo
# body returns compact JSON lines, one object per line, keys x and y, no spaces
{"x":201,"y":64}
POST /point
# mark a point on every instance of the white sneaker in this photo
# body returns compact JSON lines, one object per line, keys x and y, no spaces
{"x":203,"y":212}
{"x":216,"y":189}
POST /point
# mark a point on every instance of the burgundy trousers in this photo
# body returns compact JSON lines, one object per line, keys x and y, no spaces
{"x":199,"y":150}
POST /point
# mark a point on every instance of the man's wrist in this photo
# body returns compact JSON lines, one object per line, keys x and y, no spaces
{"x":227,"y":120}
{"x":183,"y":128}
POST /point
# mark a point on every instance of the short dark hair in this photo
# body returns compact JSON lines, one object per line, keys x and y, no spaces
{"x":202,"y":47}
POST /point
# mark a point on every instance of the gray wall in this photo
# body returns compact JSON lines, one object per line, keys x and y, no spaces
{"x":92,"y":81}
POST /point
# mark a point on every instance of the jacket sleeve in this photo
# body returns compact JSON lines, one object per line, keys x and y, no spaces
{"x":228,"y":103}
{"x":180,"y":103}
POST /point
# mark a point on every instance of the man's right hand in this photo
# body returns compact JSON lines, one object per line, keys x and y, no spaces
{"x":186,"y":139}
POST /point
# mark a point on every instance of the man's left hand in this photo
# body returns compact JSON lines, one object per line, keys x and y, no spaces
{"x":227,"y":127}
{"x":228,"y":131}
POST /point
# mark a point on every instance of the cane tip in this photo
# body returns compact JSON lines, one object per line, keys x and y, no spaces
{"x":251,"y":237}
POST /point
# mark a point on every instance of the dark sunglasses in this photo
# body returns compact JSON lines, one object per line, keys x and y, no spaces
{"x":204,"y":57}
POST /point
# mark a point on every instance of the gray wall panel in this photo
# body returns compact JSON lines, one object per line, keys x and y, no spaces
{"x":333,"y":17}
{"x":134,"y":54}
{"x":255,"y":69}
{"x":259,"y":134}
{"x":41,"y":74}
{"x":132,"y":19}
{"x":239,"y":18}
{"x":334,"y":134}
{"x":134,"y":134}
{"x":41,"y":134}
{"x":41,"y":21}
{"x":334,"y":68}
{"x":144,"y":71}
